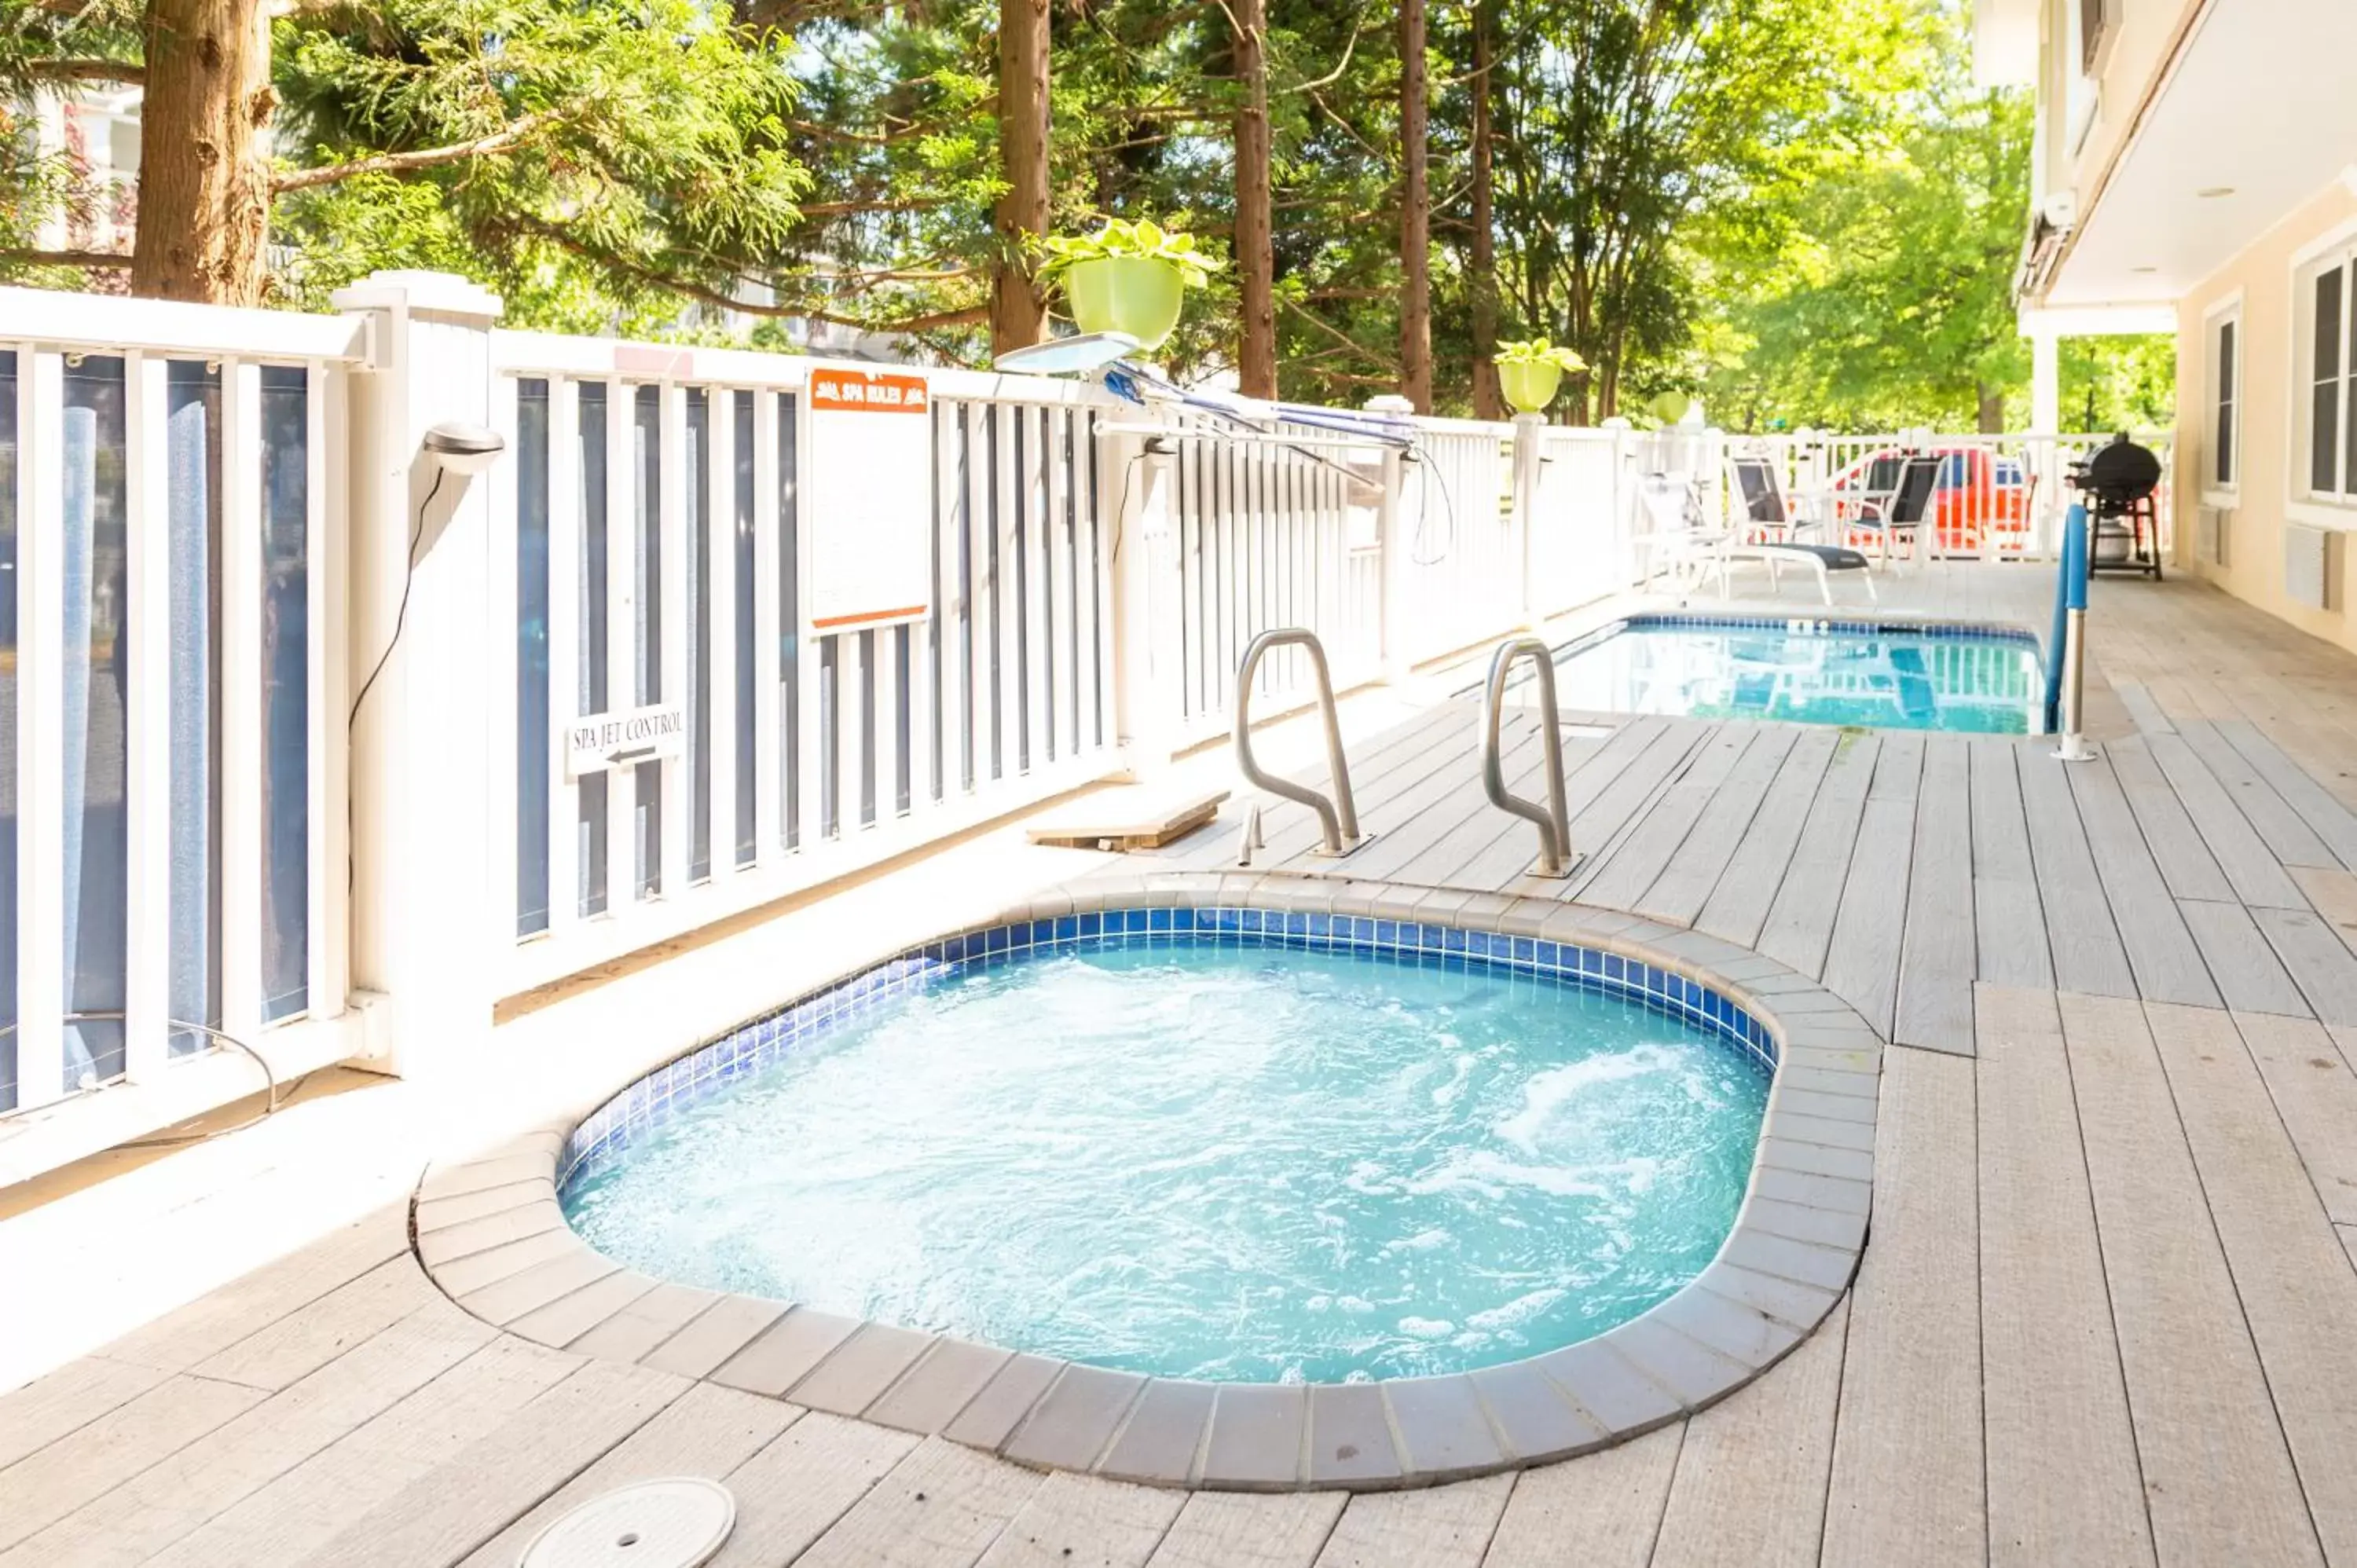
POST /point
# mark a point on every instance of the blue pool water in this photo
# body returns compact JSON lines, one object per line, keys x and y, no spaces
{"x":1232,"y":1162}
{"x":1875,"y":676}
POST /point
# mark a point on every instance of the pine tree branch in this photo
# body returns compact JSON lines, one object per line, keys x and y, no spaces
{"x":967,"y":317}
{"x":127,"y":74}
{"x":65,"y":258}
{"x":403,"y":163}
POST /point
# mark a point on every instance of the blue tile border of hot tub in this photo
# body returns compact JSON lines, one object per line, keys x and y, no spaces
{"x":1799,"y":626}
{"x":489,"y":1230}
{"x":599,"y":1143}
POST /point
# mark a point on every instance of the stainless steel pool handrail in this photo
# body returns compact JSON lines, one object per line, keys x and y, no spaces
{"x":1551,"y":820}
{"x":1338,"y":819}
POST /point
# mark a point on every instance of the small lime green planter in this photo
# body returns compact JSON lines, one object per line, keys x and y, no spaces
{"x":1135,"y":295}
{"x":1530,"y":387}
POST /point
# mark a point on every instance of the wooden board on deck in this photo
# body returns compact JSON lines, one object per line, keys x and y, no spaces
{"x":1131,"y":816}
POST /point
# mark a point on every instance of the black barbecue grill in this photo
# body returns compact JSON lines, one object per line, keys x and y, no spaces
{"x":2118,"y":482}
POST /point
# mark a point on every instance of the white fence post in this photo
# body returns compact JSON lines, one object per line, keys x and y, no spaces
{"x":1147,"y":693}
{"x":1391,"y":531}
{"x":1530,"y":456}
{"x":425,"y":917}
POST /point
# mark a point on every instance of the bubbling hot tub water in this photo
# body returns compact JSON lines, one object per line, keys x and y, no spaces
{"x":1237,"y":1163}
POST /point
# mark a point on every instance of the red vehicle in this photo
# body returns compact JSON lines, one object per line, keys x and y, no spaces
{"x":1980,"y":503}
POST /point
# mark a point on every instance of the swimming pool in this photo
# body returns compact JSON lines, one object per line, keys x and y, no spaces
{"x":1210,"y":1144}
{"x":1958,"y":680}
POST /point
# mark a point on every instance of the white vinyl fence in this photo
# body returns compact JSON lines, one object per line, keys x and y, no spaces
{"x":171,"y":682}
{"x":293,"y":709}
{"x":654,"y":541}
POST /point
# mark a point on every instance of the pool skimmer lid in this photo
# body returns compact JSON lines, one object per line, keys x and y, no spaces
{"x":676,"y":1522}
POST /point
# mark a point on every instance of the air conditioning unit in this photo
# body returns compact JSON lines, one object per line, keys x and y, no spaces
{"x":2212,"y":527}
{"x":2312,"y":566}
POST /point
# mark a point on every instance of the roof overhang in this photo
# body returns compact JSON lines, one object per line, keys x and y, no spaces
{"x":2253,"y":118}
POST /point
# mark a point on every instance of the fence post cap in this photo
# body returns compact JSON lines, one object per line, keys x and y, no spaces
{"x":403,"y":288}
{"x":1390,"y":403}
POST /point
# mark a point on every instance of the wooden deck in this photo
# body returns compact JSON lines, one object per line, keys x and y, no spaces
{"x":2107,"y":1314}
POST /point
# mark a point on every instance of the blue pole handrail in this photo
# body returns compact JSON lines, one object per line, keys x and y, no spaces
{"x":2069,"y":594}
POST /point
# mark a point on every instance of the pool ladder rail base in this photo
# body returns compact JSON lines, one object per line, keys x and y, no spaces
{"x":1338,"y":818}
{"x":1557,"y":859}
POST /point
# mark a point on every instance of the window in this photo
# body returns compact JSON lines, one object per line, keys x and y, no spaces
{"x":2327,"y":452}
{"x":2093,"y":17}
{"x":2222,"y":463}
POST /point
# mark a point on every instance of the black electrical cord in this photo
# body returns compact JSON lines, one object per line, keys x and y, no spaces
{"x":401,"y":617}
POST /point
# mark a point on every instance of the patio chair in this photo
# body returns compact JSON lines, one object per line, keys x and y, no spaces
{"x":1905,"y":509}
{"x":1759,"y":489}
{"x":1676,"y":541}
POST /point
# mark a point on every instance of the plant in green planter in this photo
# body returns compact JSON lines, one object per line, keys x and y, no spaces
{"x":1528,"y":374}
{"x":1128,"y":277}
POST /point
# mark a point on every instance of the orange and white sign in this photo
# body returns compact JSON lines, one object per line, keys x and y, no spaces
{"x":868,"y":499}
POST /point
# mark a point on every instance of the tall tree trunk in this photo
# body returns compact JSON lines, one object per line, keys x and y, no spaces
{"x":1415,"y":216}
{"x":1992,"y":408}
{"x":1256,"y":253}
{"x":204,"y":159}
{"x":1019,"y":313}
{"x":1488,"y":401}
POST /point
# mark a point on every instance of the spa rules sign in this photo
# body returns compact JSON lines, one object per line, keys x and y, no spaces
{"x":870,"y":499}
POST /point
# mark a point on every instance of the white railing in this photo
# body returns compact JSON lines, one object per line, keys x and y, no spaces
{"x":1462,"y":535}
{"x":681,"y":574}
{"x":172,"y":691}
{"x":1267,"y":535}
{"x":1997,"y":497}
{"x":224,"y":808}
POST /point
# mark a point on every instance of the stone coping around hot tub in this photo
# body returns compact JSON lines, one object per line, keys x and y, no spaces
{"x":490,"y":1232}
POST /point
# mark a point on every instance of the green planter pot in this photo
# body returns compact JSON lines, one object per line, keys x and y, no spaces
{"x":1125,"y":294}
{"x":1530,"y":387}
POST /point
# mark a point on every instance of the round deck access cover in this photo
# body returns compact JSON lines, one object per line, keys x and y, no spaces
{"x":676,"y":1522}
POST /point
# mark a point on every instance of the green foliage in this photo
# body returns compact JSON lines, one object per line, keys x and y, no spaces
{"x":1539,"y":352}
{"x":1874,"y":289}
{"x":1120,"y":239}
{"x":2119,"y":383}
{"x":639,"y":150}
{"x":1800,"y":209}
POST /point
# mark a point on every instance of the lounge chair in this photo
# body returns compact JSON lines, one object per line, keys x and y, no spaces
{"x":1904,"y":508}
{"x":1755,"y":485}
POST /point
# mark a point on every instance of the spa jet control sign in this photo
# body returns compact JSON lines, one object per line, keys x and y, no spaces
{"x":596,"y":742}
{"x":870,"y":472}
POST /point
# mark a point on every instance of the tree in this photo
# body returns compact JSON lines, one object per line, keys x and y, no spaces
{"x":204,"y":163}
{"x":1019,"y":313}
{"x":557,"y":150}
{"x":1876,"y":291}
{"x":1625,"y":125}
{"x":1482,"y":285}
{"x":1415,"y":215}
{"x":1256,"y":253}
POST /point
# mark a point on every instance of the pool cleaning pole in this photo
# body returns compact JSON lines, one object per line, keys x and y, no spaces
{"x":2074,"y":747}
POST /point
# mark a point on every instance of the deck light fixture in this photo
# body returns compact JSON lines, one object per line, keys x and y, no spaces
{"x":464,"y":448}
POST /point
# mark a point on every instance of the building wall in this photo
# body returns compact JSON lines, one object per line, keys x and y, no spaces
{"x":2262,"y":276}
{"x":2142,"y":32}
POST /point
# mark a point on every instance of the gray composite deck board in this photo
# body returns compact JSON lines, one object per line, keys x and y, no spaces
{"x":1653,"y":840}
{"x":2162,"y":954}
{"x":2108,"y":1311}
{"x":2009,"y":919}
{"x":1801,"y":919}
{"x":1685,"y":884}
{"x":2168,"y":830}
{"x":2241,"y":854}
{"x":1739,"y":904}
{"x":1936,"y":962}
{"x":1862,"y":953}
{"x":2081,"y":930}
